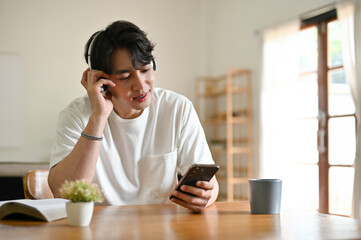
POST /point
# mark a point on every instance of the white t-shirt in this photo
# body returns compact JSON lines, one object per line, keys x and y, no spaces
{"x":139,"y":158}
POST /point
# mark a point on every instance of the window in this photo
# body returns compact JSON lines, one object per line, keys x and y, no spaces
{"x":326,"y":117}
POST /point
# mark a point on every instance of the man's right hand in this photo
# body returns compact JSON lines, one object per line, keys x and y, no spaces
{"x":92,"y":81}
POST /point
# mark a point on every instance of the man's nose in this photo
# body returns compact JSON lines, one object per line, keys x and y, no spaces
{"x":139,"y":81}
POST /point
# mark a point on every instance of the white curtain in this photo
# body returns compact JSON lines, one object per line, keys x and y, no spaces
{"x":279,"y":75}
{"x":349,"y":16}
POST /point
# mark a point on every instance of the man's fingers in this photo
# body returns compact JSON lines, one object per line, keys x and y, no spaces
{"x":194,"y":208}
{"x":199,"y":192}
{"x":194,"y":200}
{"x":94,"y":76}
{"x":93,"y":80}
{"x":195,"y":197}
{"x":205,"y":185}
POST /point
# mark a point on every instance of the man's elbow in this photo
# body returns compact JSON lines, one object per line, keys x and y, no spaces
{"x":52,"y":183}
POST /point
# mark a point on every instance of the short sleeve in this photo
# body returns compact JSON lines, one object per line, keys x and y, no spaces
{"x":71,"y":121}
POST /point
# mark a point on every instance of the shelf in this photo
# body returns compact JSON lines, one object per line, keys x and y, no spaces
{"x":233,"y":150}
{"x":238,"y":116}
{"x":225,"y":106}
{"x":224,"y":141}
{"x":222,"y":91}
{"x":211,"y":121}
{"x":238,"y":180}
{"x":240,"y":149}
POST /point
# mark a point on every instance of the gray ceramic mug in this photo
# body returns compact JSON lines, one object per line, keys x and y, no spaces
{"x":265,"y":196}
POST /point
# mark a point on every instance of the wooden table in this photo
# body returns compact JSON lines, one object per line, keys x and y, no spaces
{"x":224,"y":220}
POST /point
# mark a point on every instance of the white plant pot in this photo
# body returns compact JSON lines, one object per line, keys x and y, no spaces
{"x":79,"y":213}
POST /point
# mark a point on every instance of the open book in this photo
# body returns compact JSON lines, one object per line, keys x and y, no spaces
{"x":42,"y":209}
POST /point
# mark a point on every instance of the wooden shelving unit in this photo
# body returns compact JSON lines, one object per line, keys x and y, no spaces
{"x":224,"y":105}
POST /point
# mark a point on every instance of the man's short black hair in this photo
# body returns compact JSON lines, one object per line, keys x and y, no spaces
{"x":117,"y":35}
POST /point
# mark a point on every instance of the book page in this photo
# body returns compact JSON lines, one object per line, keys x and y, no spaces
{"x":50,"y":209}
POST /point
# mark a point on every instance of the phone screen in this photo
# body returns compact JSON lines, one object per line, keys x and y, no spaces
{"x":197,"y":172}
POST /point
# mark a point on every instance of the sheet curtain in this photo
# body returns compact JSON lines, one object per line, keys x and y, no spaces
{"x":348,"y":14}
{"x":280,"y":69}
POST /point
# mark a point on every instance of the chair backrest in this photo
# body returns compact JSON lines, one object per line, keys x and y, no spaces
{"x":36,"y":184}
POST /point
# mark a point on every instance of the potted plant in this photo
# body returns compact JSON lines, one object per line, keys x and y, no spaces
{"x":82,"y":195}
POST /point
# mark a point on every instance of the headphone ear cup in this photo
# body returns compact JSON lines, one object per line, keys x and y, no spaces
{"x":154,"y":65}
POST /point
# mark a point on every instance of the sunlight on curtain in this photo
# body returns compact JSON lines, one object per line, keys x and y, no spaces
{"x":278,"y":114}
{"x":349,"y":17}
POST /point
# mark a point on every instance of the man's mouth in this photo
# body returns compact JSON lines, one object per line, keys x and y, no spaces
{"x":141,"y":98}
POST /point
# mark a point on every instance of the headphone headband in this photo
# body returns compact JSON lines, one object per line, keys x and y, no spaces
{"x":90,"y":49}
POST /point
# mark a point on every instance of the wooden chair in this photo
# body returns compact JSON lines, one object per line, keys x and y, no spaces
{"x":36,"y":184}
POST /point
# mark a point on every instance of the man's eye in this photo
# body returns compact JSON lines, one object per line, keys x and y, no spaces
{"x":123,"y":77}
{"x":144,"y":70}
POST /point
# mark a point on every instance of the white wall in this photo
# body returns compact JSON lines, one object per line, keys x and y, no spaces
{"x":50,"y":37}
{"x":234,"y":41}
{"x":193,"y":37}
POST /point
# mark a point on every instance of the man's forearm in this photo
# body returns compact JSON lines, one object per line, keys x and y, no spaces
{"x":81,"y":162}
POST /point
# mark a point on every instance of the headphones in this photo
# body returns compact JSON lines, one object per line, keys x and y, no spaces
{"x":105,"y":87}
{"x":153,"y":64}
{"x":90,"y":50}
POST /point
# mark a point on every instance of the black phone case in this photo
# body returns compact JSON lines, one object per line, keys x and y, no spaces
{"x":197,"y":172}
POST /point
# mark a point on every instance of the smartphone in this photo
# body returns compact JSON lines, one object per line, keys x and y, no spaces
{"x":196,"y":172}
{"x":104,"y":90}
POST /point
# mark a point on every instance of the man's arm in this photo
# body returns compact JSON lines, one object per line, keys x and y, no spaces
{"x":82,"y":160}
{"x":205,"y":195}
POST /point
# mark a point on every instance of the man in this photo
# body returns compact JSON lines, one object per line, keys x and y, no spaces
{"x":136,"y":138}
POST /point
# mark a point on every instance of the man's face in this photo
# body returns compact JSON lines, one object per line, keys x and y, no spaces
{"x":133,"y":90}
